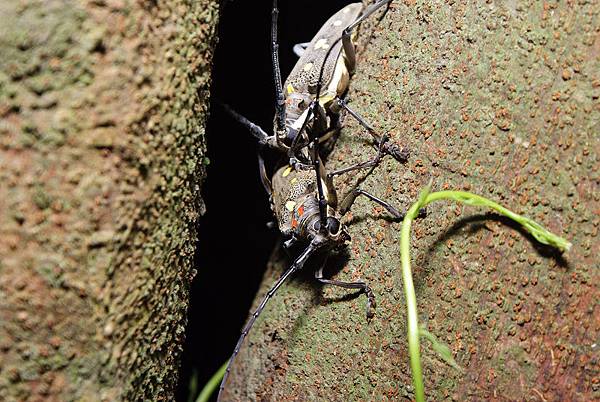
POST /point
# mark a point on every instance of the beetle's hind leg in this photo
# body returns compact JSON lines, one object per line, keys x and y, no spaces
{"x":362,"y":286}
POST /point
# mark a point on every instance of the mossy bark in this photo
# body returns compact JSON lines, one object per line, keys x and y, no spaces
{"x":497,"y":98}
{"x":103,"y":107}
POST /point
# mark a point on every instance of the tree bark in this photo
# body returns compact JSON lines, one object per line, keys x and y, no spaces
{"x":103,"y":106}
{"x":496,"y":98}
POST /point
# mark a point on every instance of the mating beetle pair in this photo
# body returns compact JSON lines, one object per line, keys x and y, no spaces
{"x":307,"y":121}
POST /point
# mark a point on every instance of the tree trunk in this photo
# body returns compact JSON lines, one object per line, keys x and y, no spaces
{"x":497,"y":98}
{"x":103,"y":106}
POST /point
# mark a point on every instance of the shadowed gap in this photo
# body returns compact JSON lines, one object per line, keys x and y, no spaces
{"x":234,"y":242}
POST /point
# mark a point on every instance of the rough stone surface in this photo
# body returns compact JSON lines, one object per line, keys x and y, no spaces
{"x":102,"y":113}
{"x":497,"y":98}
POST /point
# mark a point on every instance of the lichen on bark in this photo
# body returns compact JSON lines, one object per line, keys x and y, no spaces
{"x":103,"y":107}
{"x":497,"y":98}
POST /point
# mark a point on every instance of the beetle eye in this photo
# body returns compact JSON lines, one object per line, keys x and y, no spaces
{"x":332,"y":225}
{"x":317,"y":226}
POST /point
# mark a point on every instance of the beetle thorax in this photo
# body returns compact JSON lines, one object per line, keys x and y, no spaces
{"x":296,"y":112}
{"x":296,"y":105}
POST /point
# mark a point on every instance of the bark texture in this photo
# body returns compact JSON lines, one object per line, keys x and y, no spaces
{"x":103,"y":106}
{"x":500,"y":98}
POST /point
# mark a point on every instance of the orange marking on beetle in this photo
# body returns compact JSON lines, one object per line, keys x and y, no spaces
{"x":301,"y":210}
{"x":294,"y":223}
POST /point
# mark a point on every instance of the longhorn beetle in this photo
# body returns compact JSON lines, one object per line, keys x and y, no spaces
{"x":312,"y":96}
{"x":303,"y":198}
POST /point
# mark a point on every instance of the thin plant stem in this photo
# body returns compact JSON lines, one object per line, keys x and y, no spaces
{"x":537,"y":231}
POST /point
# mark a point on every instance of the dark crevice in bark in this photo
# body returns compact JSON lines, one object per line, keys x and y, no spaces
{"x":234,"y":242}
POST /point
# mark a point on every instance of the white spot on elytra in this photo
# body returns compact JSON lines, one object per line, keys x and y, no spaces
{"x":321,"y":44}
{"x":290,"y":205}
{"x":337,"y":23}
{"x":308,"y":67}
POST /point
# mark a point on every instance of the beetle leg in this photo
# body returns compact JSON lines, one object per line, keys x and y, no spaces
{"x":362,"y":286}
{"x":354,"y":193}
{"x":351,"y":197}
{"x":371,"y":163}
{"x":399,"y":153}
{"x":315,"y":123}
{"x":263,"y":176}
{"x":260,"y":134}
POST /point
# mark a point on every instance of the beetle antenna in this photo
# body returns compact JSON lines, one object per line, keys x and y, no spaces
{"x":280,"y":99}
{"x":297,"y":265}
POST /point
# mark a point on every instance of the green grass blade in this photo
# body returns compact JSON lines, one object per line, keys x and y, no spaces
{"x":212,"y":384}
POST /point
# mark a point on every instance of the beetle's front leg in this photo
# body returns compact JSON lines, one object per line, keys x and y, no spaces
{"x":399,"y":153}
{"x":362,"y":286}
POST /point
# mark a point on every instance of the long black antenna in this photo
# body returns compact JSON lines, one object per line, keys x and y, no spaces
{"x":298,"y":264}
{"x":280,"y":99}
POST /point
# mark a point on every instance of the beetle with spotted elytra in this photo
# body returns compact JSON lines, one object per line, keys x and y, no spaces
{"x":302,"y":193}
{"x":312,"y":97}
